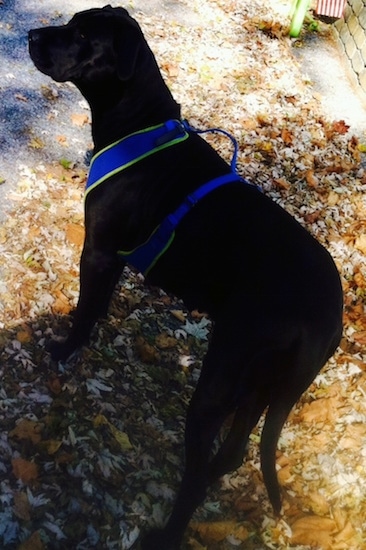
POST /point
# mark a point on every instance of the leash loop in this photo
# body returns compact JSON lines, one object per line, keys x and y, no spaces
{"x":234,"y":159}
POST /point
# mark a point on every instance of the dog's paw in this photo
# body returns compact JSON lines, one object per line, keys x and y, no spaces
{"x":61,"y":351}
{"x":158,"y":540}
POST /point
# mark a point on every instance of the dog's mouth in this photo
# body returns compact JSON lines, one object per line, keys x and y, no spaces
{"x":47,"y":53}
{"x":37,"y":52}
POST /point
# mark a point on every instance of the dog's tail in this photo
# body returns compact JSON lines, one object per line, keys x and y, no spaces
{"x":284,"y":394}
{"x":275,"y":418}
{"x":283,"y":398}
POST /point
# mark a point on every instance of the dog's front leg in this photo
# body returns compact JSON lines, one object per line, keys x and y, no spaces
{"x":99,"y":273}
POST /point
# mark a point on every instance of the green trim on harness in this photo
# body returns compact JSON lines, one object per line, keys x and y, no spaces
{"x":131,"y":253}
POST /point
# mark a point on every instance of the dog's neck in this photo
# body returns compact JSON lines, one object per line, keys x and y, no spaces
{"x":119,"y":112}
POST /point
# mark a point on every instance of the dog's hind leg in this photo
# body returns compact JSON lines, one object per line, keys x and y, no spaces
{"x":204,"y":420}
{"x":225,"y":386}
{"x":214,"y":399}
{"x":231,"y":453}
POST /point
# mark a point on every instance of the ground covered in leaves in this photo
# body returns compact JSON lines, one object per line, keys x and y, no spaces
{"x":91,"y":453}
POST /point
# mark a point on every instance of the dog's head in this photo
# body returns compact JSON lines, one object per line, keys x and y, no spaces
{"x":95,"y":45}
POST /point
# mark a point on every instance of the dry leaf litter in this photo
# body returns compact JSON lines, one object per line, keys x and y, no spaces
{"x":91,"y":454}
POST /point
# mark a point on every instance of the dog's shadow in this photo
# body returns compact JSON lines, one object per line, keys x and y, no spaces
{"x":93,"y":449}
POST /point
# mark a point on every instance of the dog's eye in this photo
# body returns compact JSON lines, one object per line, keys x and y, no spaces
{"x":82,"y":34}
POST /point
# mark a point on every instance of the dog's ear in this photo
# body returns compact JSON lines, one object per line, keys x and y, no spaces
{"x":116,"y":11}
{"x":127,"y":45}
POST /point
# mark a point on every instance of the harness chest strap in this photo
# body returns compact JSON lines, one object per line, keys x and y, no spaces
{"x":132,"y":149}
{"x":128,"y":151}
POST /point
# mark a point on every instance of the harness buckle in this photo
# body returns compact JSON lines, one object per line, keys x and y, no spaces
{"x":175,"y":129}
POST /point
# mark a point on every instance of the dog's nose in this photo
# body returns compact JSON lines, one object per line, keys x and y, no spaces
{"x":33,"y":36}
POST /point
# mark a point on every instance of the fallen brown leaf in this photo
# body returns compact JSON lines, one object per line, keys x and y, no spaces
{"x":24,"y":335}
{"x":360,"y":243}
{"x":62,"y":140}
{"x":320,"y":410}
{"x":281,"y":183}
{"x":316,"y":531}
{"x":36,"y":143}
{"x":217,"y":531}
{"x":287,"y":136}
{"x":340,"y":127}
{"x":21,"y":506}
{"x":24,"y":470}
{"x":33,"y":543}
{"x":27,"y":429}
{"x":54,"y":384}
{"x":147,"y":352}
{"x":50,"y":446}
{"x":75,"y":233}
{"x":179,"y":314}
{"x":79,"y":119}
{"x":311,"y":179}
{"x":164,"y":341}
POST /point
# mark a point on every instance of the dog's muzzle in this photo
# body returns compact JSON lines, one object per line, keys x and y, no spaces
{"x":38,"y":51}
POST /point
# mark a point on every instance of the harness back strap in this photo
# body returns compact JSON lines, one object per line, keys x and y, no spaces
{"x":137,"y":146}
{"x":145,"y":256}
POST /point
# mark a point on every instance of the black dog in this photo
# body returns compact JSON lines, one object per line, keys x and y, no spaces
{"x":273,"y":291}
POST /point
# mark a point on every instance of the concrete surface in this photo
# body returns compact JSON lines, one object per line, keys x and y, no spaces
{"x":322,"y":62}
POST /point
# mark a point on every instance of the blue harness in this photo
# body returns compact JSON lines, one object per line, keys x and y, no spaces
{"x":139,"y":145}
